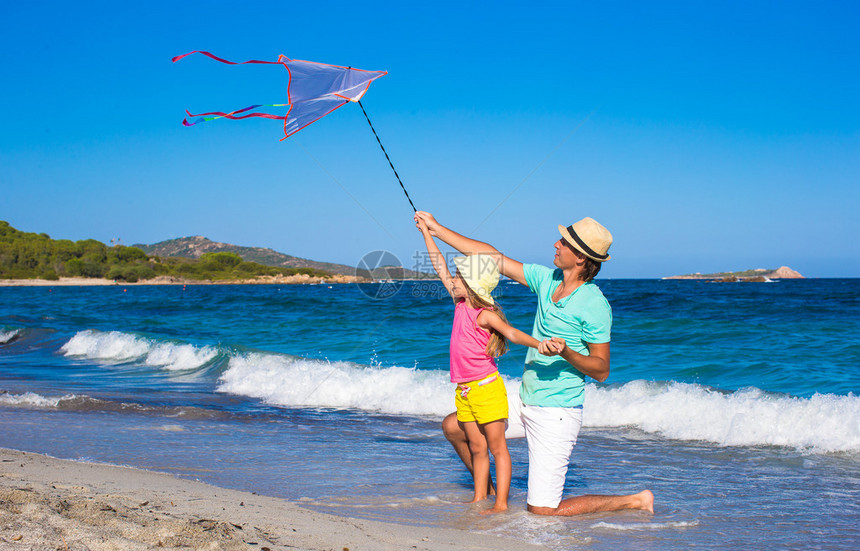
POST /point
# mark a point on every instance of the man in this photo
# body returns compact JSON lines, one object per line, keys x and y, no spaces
{"x":573,"y":321}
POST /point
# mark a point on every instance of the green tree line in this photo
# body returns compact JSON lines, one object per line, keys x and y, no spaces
{"x":36,"y":256}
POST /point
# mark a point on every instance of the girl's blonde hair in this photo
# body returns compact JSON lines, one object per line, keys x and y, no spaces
{"x":497,"y":345}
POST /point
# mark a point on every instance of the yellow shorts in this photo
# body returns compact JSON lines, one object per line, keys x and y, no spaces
{"x":482,"y":401}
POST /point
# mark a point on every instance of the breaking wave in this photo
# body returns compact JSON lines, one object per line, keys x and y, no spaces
{"x":298,"y":382}
{"x":31,"y":399}
{"x":7,"y":336}
{"x":747,"y":417}
{"x":73,"y":402}
{"x":117,"y":347}
{"x":678,"y":411}
{"x":823,"y":423}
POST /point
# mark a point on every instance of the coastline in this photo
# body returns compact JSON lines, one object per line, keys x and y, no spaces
{"x":49,"y":503}
{"x":298,"y":279}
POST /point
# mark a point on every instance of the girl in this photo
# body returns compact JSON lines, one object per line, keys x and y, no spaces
{"x":479,"y":335}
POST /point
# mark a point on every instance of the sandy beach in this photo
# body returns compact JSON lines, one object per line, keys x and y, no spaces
{"x":48,"y":503}
{"x":62,"y":282}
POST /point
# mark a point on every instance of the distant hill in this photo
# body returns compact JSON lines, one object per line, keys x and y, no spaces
{"x":36,"y":256}
{"x":197,"y":245}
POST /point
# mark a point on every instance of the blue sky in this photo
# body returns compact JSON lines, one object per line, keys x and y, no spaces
{"x":706,"y":136}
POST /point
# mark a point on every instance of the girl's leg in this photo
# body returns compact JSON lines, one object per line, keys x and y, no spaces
{"x":480,"y":459}
{"x":455,"y":432}
{"x":495,"y":433}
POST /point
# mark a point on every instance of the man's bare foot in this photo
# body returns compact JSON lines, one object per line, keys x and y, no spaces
{"x":497,"y":508}
{"x":477,"y":499}
{"x":646,"y":500}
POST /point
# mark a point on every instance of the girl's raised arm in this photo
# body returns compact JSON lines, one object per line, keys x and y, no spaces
{"x":436,"y":257}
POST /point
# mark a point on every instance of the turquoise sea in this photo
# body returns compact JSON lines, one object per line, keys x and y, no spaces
{"x":736,"y":404}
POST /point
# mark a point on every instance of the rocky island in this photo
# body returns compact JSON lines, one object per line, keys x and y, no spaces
{"x":757,"y":275}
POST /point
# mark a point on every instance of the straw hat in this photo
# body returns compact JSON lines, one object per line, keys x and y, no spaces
{"x":588,"y":237}
{"x":480,"y":272}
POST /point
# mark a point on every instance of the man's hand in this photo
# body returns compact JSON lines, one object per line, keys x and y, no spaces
{"x":552,"y":347}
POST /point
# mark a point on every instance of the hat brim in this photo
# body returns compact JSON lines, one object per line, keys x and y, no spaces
{"x":479,"y":293}
{"x":461,"y":263}
{"x":572,"y":242}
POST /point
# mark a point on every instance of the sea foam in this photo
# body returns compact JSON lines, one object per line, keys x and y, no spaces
{"x":645,"y":525}
{"x":118,"y":347}
{"x":31,"y":399}
{"x":822,"y":423}
{"x":747,"y":417}
{"x":8,"y":336}
{"x":677,"y":411}
{"x":289,"y":381}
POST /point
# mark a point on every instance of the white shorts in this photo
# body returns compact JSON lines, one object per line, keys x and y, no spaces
{"x":551,"y":434}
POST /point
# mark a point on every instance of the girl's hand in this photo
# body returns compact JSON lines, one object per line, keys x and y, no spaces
{"x":545,"y":349}
{"x":552,"y":347}
{"x":427,"y":219}
{"x":420,"y":224}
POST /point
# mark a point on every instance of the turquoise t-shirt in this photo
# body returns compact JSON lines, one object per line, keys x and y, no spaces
{"x":582,"y":317}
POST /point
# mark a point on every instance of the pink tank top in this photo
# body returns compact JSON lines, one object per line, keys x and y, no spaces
{"x":469,"y":359}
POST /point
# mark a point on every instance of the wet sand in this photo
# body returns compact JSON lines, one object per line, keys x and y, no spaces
{"x":48,"y":503}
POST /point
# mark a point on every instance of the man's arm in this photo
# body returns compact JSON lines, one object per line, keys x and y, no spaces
{"x":595,"y":365}
{"x":508,"y":267}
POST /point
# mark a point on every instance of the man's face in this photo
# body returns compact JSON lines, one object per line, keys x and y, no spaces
{"x":566,"y":256}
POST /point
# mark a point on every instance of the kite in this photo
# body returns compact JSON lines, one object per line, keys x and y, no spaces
{"x":313,"y":91}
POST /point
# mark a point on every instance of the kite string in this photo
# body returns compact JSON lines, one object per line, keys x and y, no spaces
{"x":387,"y":158}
